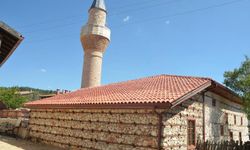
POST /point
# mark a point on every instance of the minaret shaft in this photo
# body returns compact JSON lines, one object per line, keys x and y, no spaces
{"x":95,"y":37}
{"x":97,"y":17}
{"x":92,"y":69}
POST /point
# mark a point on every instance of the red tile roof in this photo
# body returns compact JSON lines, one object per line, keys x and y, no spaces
{"x":151,"y":90}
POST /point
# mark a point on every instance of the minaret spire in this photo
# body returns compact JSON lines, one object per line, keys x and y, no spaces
{"x":99,"y":4}
{"x":95,"y":37}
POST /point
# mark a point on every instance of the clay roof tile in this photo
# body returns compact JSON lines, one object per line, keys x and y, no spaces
{"x":157,"y":89}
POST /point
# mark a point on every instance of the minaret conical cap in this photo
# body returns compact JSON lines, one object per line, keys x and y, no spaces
{"x":100,"y":4}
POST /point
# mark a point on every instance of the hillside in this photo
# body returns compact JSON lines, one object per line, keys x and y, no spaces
{"x":30,"y":93}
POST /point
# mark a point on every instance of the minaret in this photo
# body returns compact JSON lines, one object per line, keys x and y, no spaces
{"x":95,"y":37}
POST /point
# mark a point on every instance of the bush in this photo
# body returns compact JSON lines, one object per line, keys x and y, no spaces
{"x":11,"y":98}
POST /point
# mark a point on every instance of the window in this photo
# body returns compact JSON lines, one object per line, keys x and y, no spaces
{"x":226,"y":118}
{"x":234,"y":119}
{"x":231,"y":135}
{"x":214,"y":102}
{"x":221,"y":130}
{"x":241,"y":121}
{"x":240,"y":136}
{"x":191,"y":132}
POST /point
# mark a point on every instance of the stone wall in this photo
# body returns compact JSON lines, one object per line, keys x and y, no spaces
{"x":215,"y":116}
{"x":16,"y":120}
{"x":96,"y":128}
{"x":23,"y":113}
{"x":136,"y":129}
{"x":175,"y":123}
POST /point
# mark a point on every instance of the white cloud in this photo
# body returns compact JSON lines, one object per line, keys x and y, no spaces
{"x":126,"y":19}
{"x":43,"y":70}
{"x":167,"y":22}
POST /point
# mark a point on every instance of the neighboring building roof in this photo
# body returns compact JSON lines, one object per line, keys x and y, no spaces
{"x":99,"y":4}
{"x":10,"y":39}
{"x":46,"y":96}
{"x":24,"y":92}
{"x":157,"y":91}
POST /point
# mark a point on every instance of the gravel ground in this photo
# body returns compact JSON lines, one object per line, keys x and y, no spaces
{"x":8,"y":143}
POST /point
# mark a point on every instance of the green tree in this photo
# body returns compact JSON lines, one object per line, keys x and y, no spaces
{"x":11,"y":98}
{"x":239,"y":81}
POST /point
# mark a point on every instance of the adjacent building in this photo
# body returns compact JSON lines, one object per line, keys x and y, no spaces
{"x":9,"y":41}
{"x":160,"y":112}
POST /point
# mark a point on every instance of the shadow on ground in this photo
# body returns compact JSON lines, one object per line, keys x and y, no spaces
{"x":9,"y":143}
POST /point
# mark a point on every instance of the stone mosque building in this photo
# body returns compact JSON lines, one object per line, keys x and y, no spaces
{"x":160,"y":112}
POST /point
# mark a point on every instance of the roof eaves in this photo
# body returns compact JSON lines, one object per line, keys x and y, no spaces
{"x":102,"y":106}
{"x":10,"y":30}
{"x":233,"y":96}
{"x":192,"y":93}
{"x":14,"y":33}
{"x":11,"y":51}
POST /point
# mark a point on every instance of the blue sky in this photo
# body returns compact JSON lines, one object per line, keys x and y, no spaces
{"x":149,"y":37}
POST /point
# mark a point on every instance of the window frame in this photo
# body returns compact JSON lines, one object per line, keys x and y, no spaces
{"x":240,"y":136}
{"x":214,"y":102}
{"x":192,"y":145}
{"x":226,"y":116}
{"x":231,"y":135}
{"x":235,"y":120}
{"x":241,"y":121}
{"x":222,"y":133}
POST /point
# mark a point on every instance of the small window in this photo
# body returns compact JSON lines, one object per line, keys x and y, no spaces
{"x":226,"y":118}
{"x":191,"y":132}
{"x":214,"y":102}
{"x":231,"y":135}
{"x":221,"y":130}
{"x":241,"y":121}
{"x":235,"y":119}
{"x":240,"y":136}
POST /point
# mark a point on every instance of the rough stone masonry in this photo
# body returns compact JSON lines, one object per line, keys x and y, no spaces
{"x":115,"y":128}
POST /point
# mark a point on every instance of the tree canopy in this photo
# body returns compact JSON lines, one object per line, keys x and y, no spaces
{"x":239,"y":81}
{"x":11,"y":98}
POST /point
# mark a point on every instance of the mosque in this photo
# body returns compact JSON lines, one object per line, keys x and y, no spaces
{"x":160,"y":112}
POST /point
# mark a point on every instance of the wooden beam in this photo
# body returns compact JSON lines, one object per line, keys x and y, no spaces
{"x":0,"y":41}
{"x":6,"y":47}
{"x":10,"y":39}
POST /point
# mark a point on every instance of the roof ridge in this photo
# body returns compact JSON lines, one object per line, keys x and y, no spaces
{"x":188,"y":76}
{"x":148,"y":77}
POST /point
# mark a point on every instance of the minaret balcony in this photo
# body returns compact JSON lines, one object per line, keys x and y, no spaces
{"x":91,"y":29}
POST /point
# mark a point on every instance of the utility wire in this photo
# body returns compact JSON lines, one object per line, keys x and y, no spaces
{"x":122,"y":12}
{"x":53,"y":27}
{"x":142,"y":8}
{"x":145,"y":7}
{"x":139,"y":2}
{"x":76,"y":22}
{"x":184,"y":13}
{"x":175,"y":14}
{"x":48,"y":21}
{"x":78,"y":16}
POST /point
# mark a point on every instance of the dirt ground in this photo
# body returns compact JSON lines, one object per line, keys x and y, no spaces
{"x":8,"y":143}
